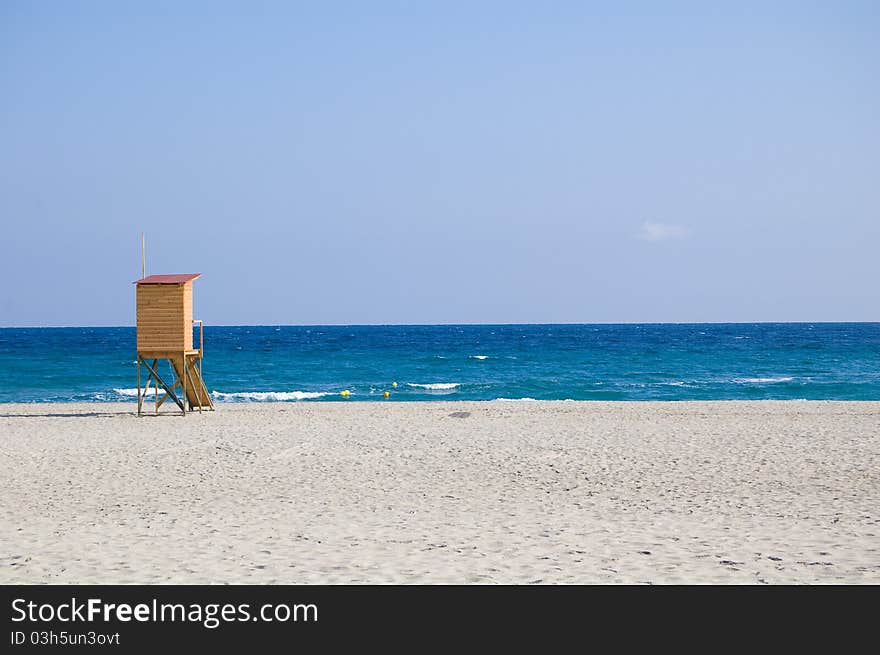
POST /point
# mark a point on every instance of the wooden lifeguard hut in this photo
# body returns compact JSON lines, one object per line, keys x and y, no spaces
{"x":165,"y":332}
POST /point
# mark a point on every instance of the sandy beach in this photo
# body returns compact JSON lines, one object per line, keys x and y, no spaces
{"x":464,"y":492}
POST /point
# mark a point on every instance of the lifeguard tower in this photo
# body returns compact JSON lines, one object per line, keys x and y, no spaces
{"x":165,"y":332}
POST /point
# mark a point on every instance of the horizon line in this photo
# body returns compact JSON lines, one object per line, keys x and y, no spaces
{"x":226,"y":325}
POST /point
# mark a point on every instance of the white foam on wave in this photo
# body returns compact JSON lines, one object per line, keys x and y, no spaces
{"x":134,"y":392}
{"x":435,"y":386}
{"x":689,"y":384}
{"x":479,"y":356}
{"x":265,"y":396}
{"x":516,"y":400}
{"x":762,"y":380}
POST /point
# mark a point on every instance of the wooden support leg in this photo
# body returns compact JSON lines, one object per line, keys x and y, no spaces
{"x":194,"y":369}
{"x":140,"y":400}
{"x":194,"y":388}
{"x":188,"y":390}
{"x":183,"y":375}
{"x":169,"y":391}
{"x":201,"y":392}
{"x":171,"y":388}
{"x":144,"y":390}
{"x":156,"y":380}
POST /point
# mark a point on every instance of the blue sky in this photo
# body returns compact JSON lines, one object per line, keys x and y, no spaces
{"x":447,"y":162}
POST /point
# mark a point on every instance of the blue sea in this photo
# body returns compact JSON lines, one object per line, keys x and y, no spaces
{"x":828,"y":361}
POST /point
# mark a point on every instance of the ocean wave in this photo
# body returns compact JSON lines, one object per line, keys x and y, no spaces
{"x":133,"y":392}
{"x":479,"y":356}
{"x":762,"y":380}
{"x":435,"y":386}
{"x":265,"y":396}
{"x":516,"y":400}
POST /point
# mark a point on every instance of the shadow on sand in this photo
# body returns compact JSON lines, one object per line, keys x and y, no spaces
{"x":86,"y":414}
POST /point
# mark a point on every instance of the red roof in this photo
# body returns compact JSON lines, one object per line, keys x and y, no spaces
{"x":178,"y":278}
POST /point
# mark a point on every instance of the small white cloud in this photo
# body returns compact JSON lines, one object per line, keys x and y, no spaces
{"x":662,"y":231}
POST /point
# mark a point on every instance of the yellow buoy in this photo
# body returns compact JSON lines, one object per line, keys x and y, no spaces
{"x":345,"y":393}
{"x":385,"y":394}
{"x":394,"y":384}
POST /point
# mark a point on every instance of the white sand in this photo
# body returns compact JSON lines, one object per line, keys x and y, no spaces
{"x":719,"y":492}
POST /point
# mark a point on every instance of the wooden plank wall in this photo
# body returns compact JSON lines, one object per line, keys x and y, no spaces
{"x":164,"y":317}
{"x":188,"y":316}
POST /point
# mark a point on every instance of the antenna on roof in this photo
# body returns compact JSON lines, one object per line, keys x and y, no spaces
{"x":143,"y":257}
